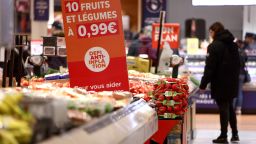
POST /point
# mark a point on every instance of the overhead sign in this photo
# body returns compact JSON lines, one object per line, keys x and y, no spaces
{"x":41,"y":10}
{"x":170,"y":34}
{"x":95,"y":44}
{"x":151,"y":10}
{"x":222,"y":2}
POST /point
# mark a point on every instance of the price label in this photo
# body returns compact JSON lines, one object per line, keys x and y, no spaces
{"x":94,"y":29}
{"x":97,"y":29}
{"x":72,"y":6}
{"x":49,"y":50}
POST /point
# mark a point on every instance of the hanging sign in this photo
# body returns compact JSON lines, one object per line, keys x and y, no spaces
{"x":170,"y":34}
{"x":95,"y":44}
{"x":151,"y":10}
{"x":41,"y":10}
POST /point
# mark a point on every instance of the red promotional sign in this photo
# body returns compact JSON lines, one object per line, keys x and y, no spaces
{"x":95,"y":44}
{"x":170,"y":34}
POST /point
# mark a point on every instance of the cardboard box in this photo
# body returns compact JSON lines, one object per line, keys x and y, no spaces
{"x":131,"y":63}
{"x":138,"y":64}
{"x":144,"y":65}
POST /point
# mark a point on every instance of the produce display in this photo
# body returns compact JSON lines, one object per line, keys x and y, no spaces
{"x":35,"y":82}
{"x":143,"y":76}
{"x":142,"y":84}
{"x":26,"y":82}
{"x":94,"y":104}
{"x":100,"y":103}
{"x":140,"y":88}
{"x":168,"y":94}
{"x":170,"y":97}
{"x":55,"y":99}
{"x":16,"y":123}
{"x":62,"y":106}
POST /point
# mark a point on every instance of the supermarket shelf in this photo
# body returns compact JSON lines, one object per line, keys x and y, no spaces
{"x":205,"y":104}
{"x":203,"y":57}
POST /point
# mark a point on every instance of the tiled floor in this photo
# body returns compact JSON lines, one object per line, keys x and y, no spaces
{"x":208,"y":128}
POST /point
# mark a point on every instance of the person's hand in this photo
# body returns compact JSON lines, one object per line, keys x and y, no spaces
{"x":201,"y":91}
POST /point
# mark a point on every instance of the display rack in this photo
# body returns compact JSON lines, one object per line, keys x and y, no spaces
{"x":187,"y":123}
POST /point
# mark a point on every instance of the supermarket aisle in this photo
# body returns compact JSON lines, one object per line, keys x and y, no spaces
{"x":208,"y":128}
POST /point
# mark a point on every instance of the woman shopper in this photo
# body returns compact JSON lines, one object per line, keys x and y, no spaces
{"x":243,"y":59}
{"x":222,"y":72}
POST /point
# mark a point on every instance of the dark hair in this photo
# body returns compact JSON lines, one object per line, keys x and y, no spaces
{"x":217,"y":27}
{"x":249,"y":35}
{"x":57,"y":25}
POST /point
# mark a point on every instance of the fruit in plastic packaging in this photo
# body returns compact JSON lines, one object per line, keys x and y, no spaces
{"x":170,"y":96}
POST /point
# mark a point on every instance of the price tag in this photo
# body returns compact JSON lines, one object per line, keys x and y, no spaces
{"x":95,"y":44}
{"x":61,"y":42}
{"x":49,"y":50}
{"x":62,"y":51}
{"x":97,"y":29}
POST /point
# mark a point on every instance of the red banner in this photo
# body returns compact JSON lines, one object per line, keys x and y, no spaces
{"x":95,"y":44}
{"x":170,"y":34}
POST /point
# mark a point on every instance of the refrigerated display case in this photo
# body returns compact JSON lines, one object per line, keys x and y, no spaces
{"x":132,"y":124}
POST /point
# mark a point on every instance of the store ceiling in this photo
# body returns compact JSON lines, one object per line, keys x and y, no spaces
{"x":223,"y":2}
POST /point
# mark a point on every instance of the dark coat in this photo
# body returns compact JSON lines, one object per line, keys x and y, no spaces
{"x":222,"y":67}
{"x":143,"y":46}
